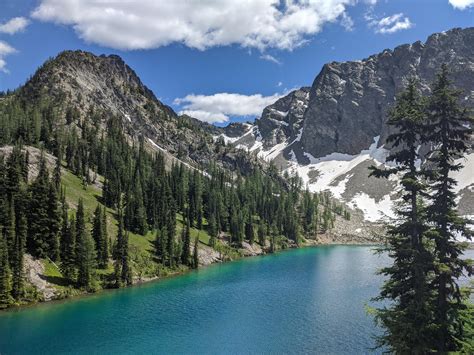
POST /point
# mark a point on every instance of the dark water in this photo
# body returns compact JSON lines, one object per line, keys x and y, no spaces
{"x":301,"y":301}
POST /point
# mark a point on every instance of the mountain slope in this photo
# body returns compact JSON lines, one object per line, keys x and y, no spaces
{"x":343,"y":127}
{"x":81,"y":87}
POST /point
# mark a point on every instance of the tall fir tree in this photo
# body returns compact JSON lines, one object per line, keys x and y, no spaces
{"x":38,"y":219}
{"x":54,"y":223}
{"x":196,"y":252}
{"x":126,"y":275}
{"x":85,"y":251}
{"x":18,"y":256}
{"x":408,"y":320}
{"x":99,"y":234}
{"x":448,"y":132}
{"x":68,"y":247}
{"x":5,"y":283}
{"x":185,"y":255}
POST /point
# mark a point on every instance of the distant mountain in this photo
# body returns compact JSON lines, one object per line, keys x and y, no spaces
{"x":330,"y":133}
{"x":83,"y":83}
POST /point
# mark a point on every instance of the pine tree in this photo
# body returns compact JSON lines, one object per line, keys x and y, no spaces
{"x":122,"y":269}
{"x":448,"y":134}
{"x":17,"y":257}
{"x":38,"y":219}
{"x":158,"y":246}
{"x":212,"y":229}
{"x":261,"y":233}
{"x":249,"y":231}
{"x":54,"y":224}
{"x":85,"y":251}
{"x":68,"y":247}
{"x":185,"y":255}
{"x":196,"y":252}
{"x":57,"y":171}
{"x":126,"y":275}
{"x":171,"y":232}
{"x":408,"y":319}
{"x":5,"y":285}
{"x":99,"y":234}
{"x":118,"y":250}
{"x":105,"y":241}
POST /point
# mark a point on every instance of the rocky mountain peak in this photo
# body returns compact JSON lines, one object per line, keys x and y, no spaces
{"x":100,"y":82}
{"x":331,"y":133}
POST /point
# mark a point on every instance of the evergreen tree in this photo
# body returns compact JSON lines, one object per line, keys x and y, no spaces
{"x":122,"y":268}
{"x":99,"y":234}
{"x":185,"y":256}
{"x":17,"y":257}
{"x":126,"y":275}
{"x":57,"y":171}
{"x":104,"y":247}
{"x":448,"y":134}
{"x":249,"y":232}
{"x":5,"y":284}
{"x":212,"y":229}
{"x":68,"y":247}
{"x":161,"y":243}
{"x":38,"y":219}
{"x":408,"y":320}
{"x":196,"y":252}
{"x":54,"y":225}
{"x":118,"y":250}
{"x":261,"y":233}
{"x":85,"y":251}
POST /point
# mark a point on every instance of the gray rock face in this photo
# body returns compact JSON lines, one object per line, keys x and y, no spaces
{"x":348,"y":101}
{"x":283,"y":119}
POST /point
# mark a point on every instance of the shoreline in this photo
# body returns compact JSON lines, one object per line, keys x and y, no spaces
{"x":146,"y":281}
{"x":151,"y":280}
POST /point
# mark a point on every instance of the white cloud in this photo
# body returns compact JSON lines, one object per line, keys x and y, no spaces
{"x":205,"y":116}
{"x":5,"y":49}
{"x":218,"y":107}
{"x":270,"y":58}
{"x":279,"y":84}
{"x":461,"y":4}
{"x":389,"y":24}
{"x":197,"y":24}
{"x":14,"y":25}
{"x":347,"y":22}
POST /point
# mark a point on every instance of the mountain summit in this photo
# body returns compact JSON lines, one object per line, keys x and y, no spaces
{"x":330,"y":133}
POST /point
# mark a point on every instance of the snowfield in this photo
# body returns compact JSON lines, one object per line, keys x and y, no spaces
{"x":337,"y":174}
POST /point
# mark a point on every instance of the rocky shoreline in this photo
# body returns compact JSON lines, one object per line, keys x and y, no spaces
{"x":47,"y":291}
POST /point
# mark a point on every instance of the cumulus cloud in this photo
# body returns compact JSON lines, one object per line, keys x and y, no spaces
{"x":219,"y":107}
{"x":5,"y":49}
{"x":389,"y":24}
{"x":461,"y":4}
{"x":147,"y":24}
{"x":14,"y":25}
{"x":270,"y":58}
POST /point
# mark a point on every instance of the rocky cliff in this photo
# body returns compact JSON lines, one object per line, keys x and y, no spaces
{"x":332,"y":132}
{"x":349,"y":101}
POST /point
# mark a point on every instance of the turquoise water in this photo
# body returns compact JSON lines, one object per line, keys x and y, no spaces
{"x":301,"y":301}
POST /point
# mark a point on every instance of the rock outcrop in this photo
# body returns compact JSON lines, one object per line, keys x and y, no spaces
{"x":331,"y":133}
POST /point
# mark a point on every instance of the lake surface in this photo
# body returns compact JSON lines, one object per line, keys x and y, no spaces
{"x":302,"y":301}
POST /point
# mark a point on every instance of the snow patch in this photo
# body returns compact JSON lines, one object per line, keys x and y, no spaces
{"x":156,"y":145}
{"x":465,"y":176}
{"x":373,"y":211}
{"x":280,"y":113}
{"x":323,"y":174}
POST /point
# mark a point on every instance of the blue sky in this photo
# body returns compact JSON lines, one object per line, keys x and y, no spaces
{"x":222,"y":60}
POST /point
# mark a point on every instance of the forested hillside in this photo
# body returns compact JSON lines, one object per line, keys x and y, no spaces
{"x":90,"y":194}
